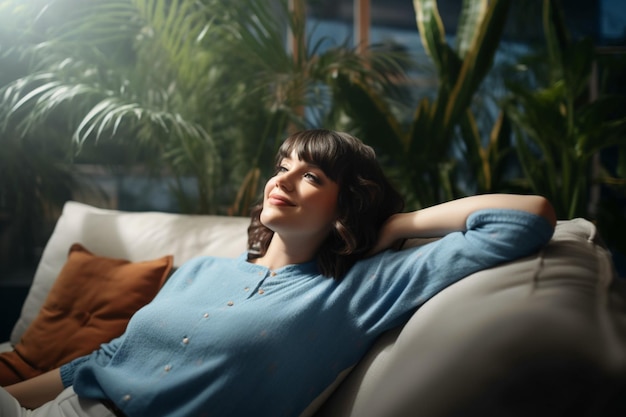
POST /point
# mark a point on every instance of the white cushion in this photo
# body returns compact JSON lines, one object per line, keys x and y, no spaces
{"x":135,"y":236}
{"x":523,"y":338}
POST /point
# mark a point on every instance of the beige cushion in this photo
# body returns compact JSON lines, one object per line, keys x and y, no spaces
{"x":531,"y":337}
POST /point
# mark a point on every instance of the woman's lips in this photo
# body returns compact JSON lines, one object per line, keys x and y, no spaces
{"x":279,"y":200}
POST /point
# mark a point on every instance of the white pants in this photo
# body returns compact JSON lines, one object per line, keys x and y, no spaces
{"x":67,"y":404}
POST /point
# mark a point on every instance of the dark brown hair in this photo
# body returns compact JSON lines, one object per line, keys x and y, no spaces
{"x":366,"y":198}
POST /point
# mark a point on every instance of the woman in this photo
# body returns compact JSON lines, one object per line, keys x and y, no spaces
{"x":266,"y":333}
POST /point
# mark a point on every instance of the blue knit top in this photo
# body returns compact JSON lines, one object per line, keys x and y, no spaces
{"x":225,"y":337}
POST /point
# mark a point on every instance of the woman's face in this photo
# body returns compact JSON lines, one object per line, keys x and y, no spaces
{"x":300,"y":200}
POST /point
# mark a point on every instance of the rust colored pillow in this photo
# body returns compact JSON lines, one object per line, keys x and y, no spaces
{"x":90,"y":303}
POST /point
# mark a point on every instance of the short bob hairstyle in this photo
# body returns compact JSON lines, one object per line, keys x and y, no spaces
{"x":366,"y":198}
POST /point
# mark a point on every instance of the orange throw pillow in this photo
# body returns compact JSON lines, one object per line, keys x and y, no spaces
{"x":90,"y":303}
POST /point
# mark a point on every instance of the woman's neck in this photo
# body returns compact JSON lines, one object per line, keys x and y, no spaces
{"x":282,"y":252}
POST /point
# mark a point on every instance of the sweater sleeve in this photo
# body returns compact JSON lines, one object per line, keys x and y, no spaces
{"x":101,"y":356}
{"x":498,"y":236}
{"x":390,"y":286}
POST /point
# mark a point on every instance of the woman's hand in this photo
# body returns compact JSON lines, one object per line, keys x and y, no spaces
{"x":389,"y":235}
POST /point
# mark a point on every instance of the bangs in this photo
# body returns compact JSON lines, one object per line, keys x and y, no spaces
{"x":322,"y":148}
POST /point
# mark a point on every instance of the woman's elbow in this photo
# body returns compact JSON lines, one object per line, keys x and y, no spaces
{"x":543,"y":207}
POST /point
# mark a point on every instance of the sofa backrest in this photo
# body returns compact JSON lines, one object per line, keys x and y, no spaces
{"x":129,"y":235}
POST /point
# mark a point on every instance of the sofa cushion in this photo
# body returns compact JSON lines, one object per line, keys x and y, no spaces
{"x":90,"y":303}
{"x":542,"y":336}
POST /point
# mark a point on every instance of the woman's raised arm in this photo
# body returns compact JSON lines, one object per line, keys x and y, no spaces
{"x":451,"y":216}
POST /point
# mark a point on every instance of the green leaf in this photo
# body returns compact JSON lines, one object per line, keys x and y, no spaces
{"x":432,"y":32}
{"x":478,"y":60}
{"x":470,"y":19}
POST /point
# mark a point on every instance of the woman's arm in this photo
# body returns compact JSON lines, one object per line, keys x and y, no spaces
{"x":37,"y":391}
{"x":451,"y":216}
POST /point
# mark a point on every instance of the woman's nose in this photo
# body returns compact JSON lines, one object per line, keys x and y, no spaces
{"x":284,"y":183}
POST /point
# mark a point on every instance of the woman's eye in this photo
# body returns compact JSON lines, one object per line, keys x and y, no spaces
{"x":281,"y":168}
{"x":312,"y":177}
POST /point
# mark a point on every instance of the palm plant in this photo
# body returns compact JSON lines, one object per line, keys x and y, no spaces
{"x":89,"y":73}
{"x":207,"y":86}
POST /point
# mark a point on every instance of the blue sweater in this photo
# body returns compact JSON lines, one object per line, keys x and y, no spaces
{"x":225,"y":337}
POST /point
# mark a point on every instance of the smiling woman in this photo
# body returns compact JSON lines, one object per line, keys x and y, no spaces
{"x":350,"y":199}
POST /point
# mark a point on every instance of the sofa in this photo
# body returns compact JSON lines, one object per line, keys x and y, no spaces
{"x":544,"y":335}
